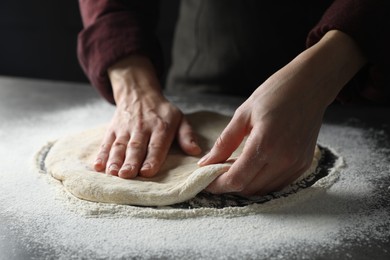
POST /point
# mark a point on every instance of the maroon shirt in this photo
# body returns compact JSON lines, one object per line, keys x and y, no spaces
{"x":114,"y":29}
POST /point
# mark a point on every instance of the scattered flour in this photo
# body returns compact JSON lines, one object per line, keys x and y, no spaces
{"x":336,"y":222}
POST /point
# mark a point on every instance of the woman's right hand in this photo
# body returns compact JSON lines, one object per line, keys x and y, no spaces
{"x":144,"y":124}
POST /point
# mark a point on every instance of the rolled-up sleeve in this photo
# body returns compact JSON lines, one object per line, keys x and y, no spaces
{"x":114,"y":29}
{"x":368,"y":23}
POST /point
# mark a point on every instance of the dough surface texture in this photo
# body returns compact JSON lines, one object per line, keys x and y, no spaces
{"x":180,"y":179}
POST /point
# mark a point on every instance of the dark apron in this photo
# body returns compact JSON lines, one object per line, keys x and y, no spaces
{"x":232,"y":46}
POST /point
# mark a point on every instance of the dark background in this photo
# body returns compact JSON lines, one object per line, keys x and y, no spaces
{"x":39,"y":38}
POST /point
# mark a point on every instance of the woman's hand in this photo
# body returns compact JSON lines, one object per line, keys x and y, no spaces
{"x":282,"y":119}
{"x":144,"y":125}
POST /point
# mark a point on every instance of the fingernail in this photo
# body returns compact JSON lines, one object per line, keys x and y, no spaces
{"x":146,"y":167}
{"x":203,"y":159}
{"x":126,"y":170}
{"x":145,"y":170}
{"x":113,"y":168}
{"x":196,"y":148}
{"x":98,"y":161}
{"x":193,"y":143}
{"x":127,"y":167}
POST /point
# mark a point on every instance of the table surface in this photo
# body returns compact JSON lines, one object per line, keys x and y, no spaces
{"x":22,"y":98}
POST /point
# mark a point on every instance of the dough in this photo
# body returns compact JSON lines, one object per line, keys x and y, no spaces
{"x":70,"y":161}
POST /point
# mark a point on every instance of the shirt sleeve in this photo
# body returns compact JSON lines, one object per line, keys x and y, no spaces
{"x":114,"y":29}
{"x":368,"y":23}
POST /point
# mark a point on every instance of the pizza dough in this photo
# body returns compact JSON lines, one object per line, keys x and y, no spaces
{"x":70,"y":161}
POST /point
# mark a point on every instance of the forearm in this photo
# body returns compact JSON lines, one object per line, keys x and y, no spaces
{"x":368,"y":23}
{"x":328,"y":65}
{"x":113,"y":30}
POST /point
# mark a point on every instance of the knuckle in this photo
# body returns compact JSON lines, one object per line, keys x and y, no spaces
{"x":139,"y":125}
{"x":155,"y":146}
{"x":220,"y":143}
{"x":105,"y":148}
{"x":103,"y":154}
{"x":161,"y":125}
{"x":135,"y":144}
{"x":119,"y":144}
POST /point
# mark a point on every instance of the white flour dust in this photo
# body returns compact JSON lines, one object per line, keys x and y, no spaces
{"x":353,"y":212}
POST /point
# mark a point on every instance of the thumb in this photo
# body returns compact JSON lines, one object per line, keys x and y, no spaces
{"x":226,"y":144}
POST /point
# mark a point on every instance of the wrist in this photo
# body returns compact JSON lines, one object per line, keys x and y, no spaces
{"x":331,"y":63}
{"x":132,"y":78}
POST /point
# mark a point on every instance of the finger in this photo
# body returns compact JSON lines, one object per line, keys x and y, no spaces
{"x":160,"y":142}
{"x":250,"y":163}
{"x":135,"y":155}
{"x":117,"y":154}
{"x":227,"y":142}
{"x":187,"y":138}
{"x":104,"y":152}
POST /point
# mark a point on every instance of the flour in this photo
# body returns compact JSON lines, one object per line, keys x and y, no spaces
{"x":351,"y":212}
